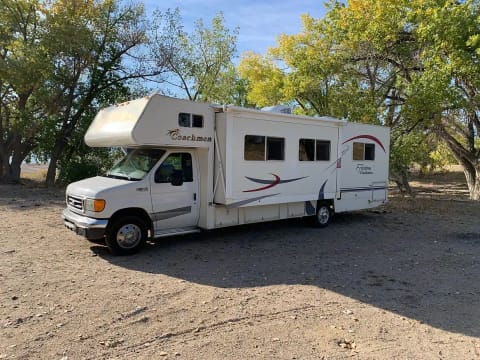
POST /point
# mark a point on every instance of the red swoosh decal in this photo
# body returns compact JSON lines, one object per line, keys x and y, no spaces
{"x":274,"y":183}
{"x":369,"y":137}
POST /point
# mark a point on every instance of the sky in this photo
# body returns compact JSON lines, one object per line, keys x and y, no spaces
{"x":259,"y":22}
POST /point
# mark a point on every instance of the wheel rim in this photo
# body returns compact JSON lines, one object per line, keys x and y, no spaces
{"x":129,"y":236}
{"x":323,"y":215}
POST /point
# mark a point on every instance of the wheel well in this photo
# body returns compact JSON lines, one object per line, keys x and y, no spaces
{"x":142,"y":214}
{"x":327,"y":202}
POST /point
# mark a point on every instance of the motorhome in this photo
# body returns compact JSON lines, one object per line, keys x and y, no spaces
{"x":191,"y":166}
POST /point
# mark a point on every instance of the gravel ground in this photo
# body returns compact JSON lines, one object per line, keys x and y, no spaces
{"x":401,"y":282}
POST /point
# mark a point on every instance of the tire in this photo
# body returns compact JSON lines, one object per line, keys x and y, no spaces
{"x":126,"y":236}
{"x":324,"y":215}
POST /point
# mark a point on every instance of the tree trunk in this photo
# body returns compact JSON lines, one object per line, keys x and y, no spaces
{"x":54,"y":157}
{"x":466,"y":157}
{"x":400,"y":177}
{"x":13,"y":154}
{"x":52,"y":171}
{"x":5,"y":167}
{"x":11,"y":170}
{"x":16,"y":167}
{"x":472,"y":175}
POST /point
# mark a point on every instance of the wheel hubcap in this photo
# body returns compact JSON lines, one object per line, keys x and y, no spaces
{"x":323,"y":215}
{"x":128,"y":236}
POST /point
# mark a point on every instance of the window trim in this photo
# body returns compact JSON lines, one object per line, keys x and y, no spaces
{"x":265,"y":148}
{"x":364,"y":144}
{"x":190,"y":120}
{"x":181,"y":153}
{"x":315,"y":154}
{"x":244,"y":147}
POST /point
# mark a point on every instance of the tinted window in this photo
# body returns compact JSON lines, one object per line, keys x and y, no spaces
{"x":174,"y":163}
{"x":189,"y":120}
{"x":306,"y":150}
{"x":358,"y":151}
{"x":197,"y":121}
{"x":275,"y":148}
{"x":362,"y":151}
{"x":369,"y":151}
{"x":254,"y":147}
{"x":184,"y":120}
{"x":323,"y":150}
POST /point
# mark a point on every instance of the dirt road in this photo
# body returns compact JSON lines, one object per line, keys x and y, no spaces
{"x":400,"y":283}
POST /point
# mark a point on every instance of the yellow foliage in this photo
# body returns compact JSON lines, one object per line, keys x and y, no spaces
{"x":265,"y":79}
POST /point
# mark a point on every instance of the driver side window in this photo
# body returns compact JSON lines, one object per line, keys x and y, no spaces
{"x":175,"y":164}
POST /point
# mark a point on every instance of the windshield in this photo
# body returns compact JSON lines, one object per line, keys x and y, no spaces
{"x":136,"y":164}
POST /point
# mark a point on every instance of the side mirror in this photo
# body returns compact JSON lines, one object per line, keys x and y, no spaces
{"x":177,"y":178}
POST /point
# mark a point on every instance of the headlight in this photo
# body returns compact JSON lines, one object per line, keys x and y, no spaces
{"x":95,"y":205}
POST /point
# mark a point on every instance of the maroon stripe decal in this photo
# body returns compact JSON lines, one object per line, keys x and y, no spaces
{"x":369,"y":137}
{"x":272,"y":184}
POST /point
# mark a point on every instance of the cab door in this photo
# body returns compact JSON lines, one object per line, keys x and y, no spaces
{"x":174,"y":192}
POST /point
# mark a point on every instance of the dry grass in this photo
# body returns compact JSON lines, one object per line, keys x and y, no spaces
{"x":444,"y":185}
{"x":34,"y":172}
{"x":432,"y":191}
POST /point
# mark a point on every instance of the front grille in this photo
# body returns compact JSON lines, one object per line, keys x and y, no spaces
{"x":75,"y":202}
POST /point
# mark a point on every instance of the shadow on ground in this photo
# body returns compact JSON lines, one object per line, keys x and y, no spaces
{"x":414,"y":265}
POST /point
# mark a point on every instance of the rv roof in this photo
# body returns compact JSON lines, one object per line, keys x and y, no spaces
{"x":231,"y":108}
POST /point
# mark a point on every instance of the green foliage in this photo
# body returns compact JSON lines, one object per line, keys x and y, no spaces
{"x":86,"y":163}
{"x":75,"y":170}
{"x":265,"y":79}
{"x":23,"y":69}
{"x":441,"y":157}
{"x":200,"y":63}
{"x":59,"y":61}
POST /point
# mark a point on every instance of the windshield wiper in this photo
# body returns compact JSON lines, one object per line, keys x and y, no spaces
{"x":121,"y":177}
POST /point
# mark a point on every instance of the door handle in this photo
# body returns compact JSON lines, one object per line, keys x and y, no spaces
{"x":194,"y":196}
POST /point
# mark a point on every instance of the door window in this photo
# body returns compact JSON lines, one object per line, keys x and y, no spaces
{"x":175,"y":164}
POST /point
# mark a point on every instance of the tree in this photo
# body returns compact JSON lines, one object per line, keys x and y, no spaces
{"x":265,"y":80}
{"x":199,"y":64}
{"x":24,"y":67}
{"x":410,"y":65}
{"x":57,"y":58}
{"x":90,"y":60}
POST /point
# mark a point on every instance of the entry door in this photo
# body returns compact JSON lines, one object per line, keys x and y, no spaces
{"x":174,"y":191}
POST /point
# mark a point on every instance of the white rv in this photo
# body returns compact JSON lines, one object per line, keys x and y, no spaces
{"x":192,"y":166}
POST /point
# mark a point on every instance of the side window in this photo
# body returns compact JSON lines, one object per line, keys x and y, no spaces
{"x":363,"y":151}
{"x":358,"y":151}
{"x":184,"y":120}
{"x":254,"y":147}
{"x":197,"y":121}
{"x":275,"y":148}
{"x":306,"y":150}
{"x":369,"y":151}
{"x":310,"y":150}
{"x":190,"y":120}
{"x":323,"y":150}
{"x":174,"y":164}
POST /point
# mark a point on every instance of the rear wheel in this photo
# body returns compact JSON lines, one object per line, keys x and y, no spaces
{"x":126,"y":236}
{"x":324,"y":215}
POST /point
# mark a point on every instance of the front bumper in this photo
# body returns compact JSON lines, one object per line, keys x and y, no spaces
{"x":90,"y":228}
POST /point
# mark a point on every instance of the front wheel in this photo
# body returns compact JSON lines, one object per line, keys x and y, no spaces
{"x":324,"y":215}
{"x":126,"y":236}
